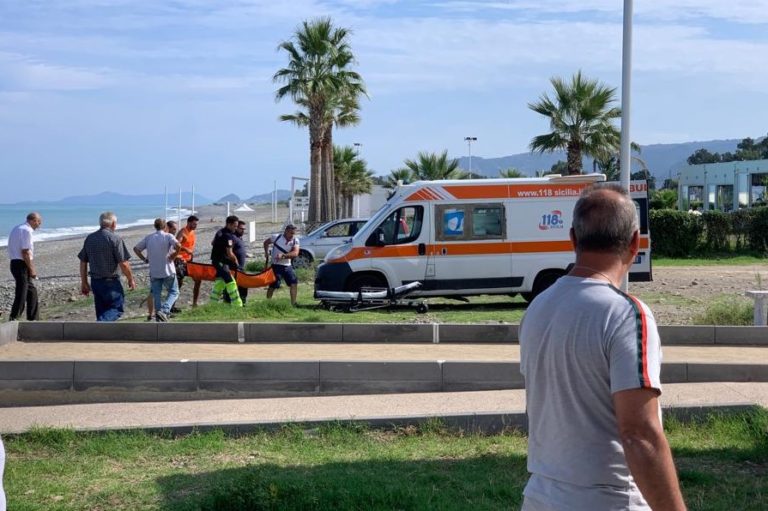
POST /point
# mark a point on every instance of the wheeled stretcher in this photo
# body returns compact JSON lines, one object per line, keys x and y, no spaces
{"x":370,"y":298}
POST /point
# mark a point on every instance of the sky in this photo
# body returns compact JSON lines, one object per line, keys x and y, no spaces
{"x":131,"y":96}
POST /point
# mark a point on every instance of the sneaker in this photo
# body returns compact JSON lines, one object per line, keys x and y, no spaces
{"x":150,"y":317}
{"x":175,"y":310}
{"x":161,"y":317}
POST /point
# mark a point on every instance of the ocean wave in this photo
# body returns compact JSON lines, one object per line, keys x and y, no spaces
{"x":65,"y":232}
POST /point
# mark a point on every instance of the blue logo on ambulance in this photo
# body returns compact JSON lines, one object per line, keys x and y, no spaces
{"x":552,"y":220}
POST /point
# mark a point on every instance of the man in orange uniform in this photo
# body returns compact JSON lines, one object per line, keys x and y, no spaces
{"x":187,"y":237}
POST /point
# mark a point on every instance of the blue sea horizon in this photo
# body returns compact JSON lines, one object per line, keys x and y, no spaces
{"x":60,"y":220}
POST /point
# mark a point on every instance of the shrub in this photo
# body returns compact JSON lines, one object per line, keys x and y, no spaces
{"x":663,"y":199}
{"x":674,"y":233}
{"x":255,"y":266}
{"x":741,"y":220}
{"x":758,"y":230}
{"x":727,"y":310}
{"x":717,"y":226}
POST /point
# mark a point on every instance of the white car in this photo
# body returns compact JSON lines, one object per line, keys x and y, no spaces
{"x":315,"y":245}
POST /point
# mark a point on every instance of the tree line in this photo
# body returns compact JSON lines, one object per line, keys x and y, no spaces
{"x":321,"y":81}
{"x":747,"y":150}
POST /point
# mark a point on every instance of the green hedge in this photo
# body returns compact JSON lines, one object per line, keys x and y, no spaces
{"x":717,"y":228}
{"x":758,"y":230}
{"x":675,"y":233}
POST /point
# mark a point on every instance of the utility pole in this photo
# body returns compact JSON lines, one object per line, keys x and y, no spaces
{"x":626,"y":87}
{"x":469,"y":141}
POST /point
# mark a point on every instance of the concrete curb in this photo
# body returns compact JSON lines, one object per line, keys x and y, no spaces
{"x":348,"y":333}
{"x":9,"y":332}
{"x":25,"y":382}
{"x":479,"y":423}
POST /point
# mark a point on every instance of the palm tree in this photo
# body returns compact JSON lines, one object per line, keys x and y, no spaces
{"x":319,"y":57}
{"x":431,"y":166}
{"x":511,"y":172}
{"x":610,"y":163}
{"x":580,"y":117}
{"x":398,"y":175}
{"x":342,"y":112}
{"x":352,"y":178}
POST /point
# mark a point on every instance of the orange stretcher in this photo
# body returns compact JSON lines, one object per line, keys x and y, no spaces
{"x":198,"y":271}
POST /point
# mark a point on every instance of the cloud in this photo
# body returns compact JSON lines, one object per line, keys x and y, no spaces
{"x":739,"y":11}
{"x":21,"y":73}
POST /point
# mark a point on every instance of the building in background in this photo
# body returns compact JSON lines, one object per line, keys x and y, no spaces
{"x":723,"y":186}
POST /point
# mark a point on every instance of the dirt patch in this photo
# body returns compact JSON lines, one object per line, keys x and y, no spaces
{"x":678,"y":294}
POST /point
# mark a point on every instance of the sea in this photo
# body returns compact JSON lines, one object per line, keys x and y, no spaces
{"x":60,"y":220}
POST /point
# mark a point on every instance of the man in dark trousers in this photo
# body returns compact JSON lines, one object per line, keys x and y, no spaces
{"x":285,"y":248}
{"x":21,"y":248}
{"x":224,"y":260}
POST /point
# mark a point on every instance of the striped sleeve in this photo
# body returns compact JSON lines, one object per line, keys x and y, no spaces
{"x":635,"y":350}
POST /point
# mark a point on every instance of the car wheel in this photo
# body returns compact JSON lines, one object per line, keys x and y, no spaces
{"x":357,"y":282}
{"x":303,"y":260}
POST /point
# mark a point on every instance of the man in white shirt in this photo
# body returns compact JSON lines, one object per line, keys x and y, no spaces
{"x":162,"y":248}
{"x":285,"y":247}
{"x":21,"y":253}
{"x":591,"y":358}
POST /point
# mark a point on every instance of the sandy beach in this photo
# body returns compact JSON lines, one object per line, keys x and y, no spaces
{"x":58,"y":266}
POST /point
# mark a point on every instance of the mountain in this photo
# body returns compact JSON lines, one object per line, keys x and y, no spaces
{"x":229,"y":198}
{"x":266,"y":198}
{"x":663,"y":160}
{"x":118,"y":199}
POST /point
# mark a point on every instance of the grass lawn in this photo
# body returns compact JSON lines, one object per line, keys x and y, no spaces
{"x":482,"y":309}
{"x":715,"y":260}
{"x":723,"y":463}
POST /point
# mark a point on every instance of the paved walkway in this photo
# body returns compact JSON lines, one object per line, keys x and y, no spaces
{"x":333,"y":351}
{"x":243,"y":412}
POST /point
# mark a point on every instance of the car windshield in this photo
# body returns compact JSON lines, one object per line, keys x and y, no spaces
{"x":319,"y":229}
{"x":376,"y":218}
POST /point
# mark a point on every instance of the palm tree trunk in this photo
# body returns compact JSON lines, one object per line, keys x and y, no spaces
{"x":315,"y":176}
{"x":350,"y":200}
{"x":574,"y":157}
{"x":328,"y":206}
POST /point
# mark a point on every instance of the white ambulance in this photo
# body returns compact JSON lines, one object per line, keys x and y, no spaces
{"x":472,"y":237}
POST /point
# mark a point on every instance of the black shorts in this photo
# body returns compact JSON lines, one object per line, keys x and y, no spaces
{"x":284,"y":272}
{"x":181,"y":268}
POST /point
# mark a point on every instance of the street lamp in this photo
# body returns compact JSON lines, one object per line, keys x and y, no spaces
{"x":357,"y":145}
{"x":469,"y":141}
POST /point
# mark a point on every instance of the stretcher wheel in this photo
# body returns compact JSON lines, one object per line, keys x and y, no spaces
{"x":422,"y":308}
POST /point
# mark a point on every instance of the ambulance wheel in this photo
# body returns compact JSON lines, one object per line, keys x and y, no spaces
{"x":303,"y":260}
{"x":542,"y":282}
{"x":422,"y":308}
{"x":357,"y":282}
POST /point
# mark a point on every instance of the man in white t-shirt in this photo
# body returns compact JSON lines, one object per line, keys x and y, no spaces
{"x":21,"y":248}
{"x":285,"y":247}
{"x":162,"y":248}
{"x":591,"y":358}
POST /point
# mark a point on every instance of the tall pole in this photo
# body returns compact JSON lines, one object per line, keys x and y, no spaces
{"x":469,"y":141}
{"x":165,"y":210}
{"x":274,"y":202}
{"x":626,"y":104}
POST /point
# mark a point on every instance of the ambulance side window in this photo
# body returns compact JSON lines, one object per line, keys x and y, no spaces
{"x":402,"y":226}
{"x":457,"y":222}
{"x":488,"y":221}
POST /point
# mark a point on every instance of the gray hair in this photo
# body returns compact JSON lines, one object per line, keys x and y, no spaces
{"x":106,"y":219}
{"x":604,"y":219}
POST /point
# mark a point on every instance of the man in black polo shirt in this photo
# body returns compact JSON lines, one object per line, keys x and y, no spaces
{"x":224,"y":260}
{"x":105,"y":252}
